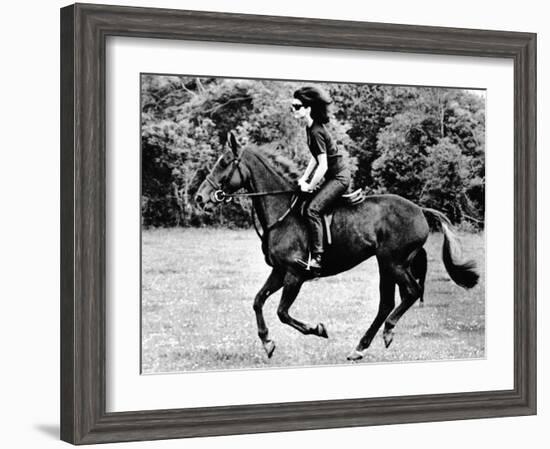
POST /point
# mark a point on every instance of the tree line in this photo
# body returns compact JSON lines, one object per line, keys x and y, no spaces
{"x":426,"y":144}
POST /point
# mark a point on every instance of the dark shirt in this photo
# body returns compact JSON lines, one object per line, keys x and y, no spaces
{"x":320,"y":141}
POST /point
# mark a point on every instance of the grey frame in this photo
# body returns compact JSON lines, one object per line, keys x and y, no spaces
{"x":84,"y":29}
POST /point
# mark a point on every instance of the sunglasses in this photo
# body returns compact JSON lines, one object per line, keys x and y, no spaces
{"x":296,"y":106}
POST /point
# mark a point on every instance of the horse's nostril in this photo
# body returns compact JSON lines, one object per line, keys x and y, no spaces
{"x":199,"y":199}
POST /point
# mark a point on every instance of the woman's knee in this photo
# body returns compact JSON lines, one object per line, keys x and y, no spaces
{"x":313,"y":210}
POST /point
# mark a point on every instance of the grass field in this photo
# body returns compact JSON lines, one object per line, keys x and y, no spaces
{"x":197,"y":291}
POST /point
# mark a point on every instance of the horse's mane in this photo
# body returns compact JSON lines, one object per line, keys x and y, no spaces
{"x":279,"y":163}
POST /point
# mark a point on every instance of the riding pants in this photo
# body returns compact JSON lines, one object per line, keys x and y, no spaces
{"x":332,"y":189}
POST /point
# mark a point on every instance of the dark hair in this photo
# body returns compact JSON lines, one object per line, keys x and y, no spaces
{"x":317,"y":99}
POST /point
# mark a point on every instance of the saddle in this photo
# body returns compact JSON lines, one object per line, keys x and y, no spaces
{"x":348,"y":199}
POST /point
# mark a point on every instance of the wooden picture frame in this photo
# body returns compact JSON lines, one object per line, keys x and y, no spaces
{"x":84,"y":29}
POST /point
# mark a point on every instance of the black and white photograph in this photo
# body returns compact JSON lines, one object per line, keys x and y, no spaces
{"x":271,"y":225}
{"x":297,"y":223}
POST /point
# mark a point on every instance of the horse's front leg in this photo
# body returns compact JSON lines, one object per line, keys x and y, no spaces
{"x":273,"y":283}
{"x":292,"y":285}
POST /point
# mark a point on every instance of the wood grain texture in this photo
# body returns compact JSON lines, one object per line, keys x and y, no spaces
{"x":67,"y":225}
{"x":84,"y":29}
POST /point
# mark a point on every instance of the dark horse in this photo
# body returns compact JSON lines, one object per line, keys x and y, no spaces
{"x":386,"y":226}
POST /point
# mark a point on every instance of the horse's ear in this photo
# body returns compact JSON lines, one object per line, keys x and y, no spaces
{"x":232,"y":142}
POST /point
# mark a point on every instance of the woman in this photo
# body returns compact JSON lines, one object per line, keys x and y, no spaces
{"x":310,"y":106}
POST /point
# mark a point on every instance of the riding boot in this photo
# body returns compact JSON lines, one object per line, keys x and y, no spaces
{"x":315,"y":264}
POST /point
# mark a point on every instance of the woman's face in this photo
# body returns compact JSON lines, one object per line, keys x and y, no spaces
{"x":300,"y":112}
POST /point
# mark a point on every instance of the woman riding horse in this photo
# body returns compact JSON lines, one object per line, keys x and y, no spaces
{"x":310,"y":106}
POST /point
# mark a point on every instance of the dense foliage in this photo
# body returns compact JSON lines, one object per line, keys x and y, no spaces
{"x":426,"y":144}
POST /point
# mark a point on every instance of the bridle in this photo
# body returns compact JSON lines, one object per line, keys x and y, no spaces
{"x":220,"y":196}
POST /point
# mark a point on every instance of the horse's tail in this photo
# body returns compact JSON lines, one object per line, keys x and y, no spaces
{"x":463,"y":273}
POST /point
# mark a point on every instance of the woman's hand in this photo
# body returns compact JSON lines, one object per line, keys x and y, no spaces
{"x":305,"y":187}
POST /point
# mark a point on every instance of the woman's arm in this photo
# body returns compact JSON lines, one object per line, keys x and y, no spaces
{"x":320,"y":171}
{"x":310,"y":166}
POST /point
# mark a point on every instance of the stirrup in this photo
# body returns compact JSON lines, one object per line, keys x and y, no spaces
{"x":313,"y":271}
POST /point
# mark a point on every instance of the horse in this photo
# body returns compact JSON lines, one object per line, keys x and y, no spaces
{"x":389,"y":227}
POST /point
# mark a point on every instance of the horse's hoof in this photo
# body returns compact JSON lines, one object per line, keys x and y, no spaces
{"x":388,"y":338}
{"x":269,"y":347}
{"x":355,"y":355}
{"x":322,"y":330}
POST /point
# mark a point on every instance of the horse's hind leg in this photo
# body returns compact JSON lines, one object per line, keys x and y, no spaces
{"x":410,"y":291}
{"x":387,"y":303}
{"x":273,"y":283}
{"x":419,"y":267}
{"x":291,"y":289}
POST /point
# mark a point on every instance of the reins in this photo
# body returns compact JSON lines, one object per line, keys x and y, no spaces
{"x":220,"y":196}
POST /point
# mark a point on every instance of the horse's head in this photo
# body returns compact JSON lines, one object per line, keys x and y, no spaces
{"x":227,"y":176}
